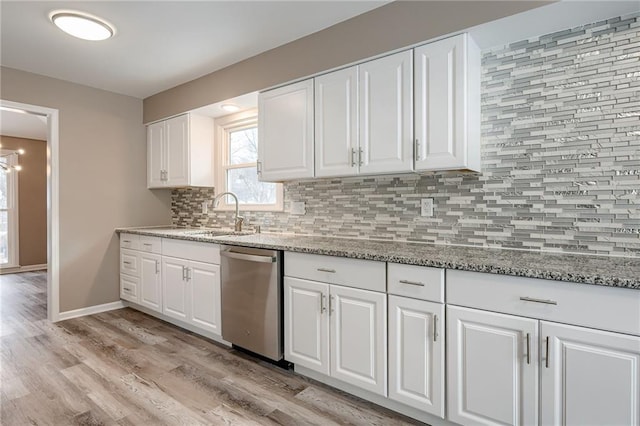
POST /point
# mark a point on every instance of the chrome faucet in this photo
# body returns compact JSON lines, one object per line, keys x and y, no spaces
{"x":239,"y":219}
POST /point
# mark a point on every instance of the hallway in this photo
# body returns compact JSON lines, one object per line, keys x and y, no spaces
{"x":126,"y":368}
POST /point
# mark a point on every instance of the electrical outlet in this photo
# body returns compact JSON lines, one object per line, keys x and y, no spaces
{"x":426,"y":207}
{"x":298,"y":208}
{"x":205,"y":207}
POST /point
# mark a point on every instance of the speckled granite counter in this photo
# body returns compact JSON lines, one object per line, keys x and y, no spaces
{"x":599,"y":270}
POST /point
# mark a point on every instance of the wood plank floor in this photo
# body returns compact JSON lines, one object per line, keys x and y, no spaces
{"x":126,"y":368}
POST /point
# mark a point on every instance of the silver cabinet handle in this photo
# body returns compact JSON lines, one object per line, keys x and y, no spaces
{"x":126,"y":241}
{"x":332,"y":271}
{"x":147,"y":244}
{"x":184,"y":273}
{"x":417,"y":150}
{"x":248,"y":257}
{"x":127,"y":289}
{"x":323,"y":308}
{"x":188,"y":274}
{"x":545,"y":301}
{"x":353,"y":157}
{"x":435,"y":328}
{"x":546,"y":355}
{"x":331,"y":300}
{"x":157,"y":267}
{"x":411,"y":282}
{"x":259,"y":167}
{"x":528,"y":348}
{"x":360,"y":152}
{"x":126,"y":262}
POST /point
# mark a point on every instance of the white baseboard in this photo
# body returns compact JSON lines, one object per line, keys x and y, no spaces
{"x":27,"y":268}
{"x":90,"y":310}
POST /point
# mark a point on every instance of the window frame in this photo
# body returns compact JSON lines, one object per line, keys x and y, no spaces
{"x":223,"y":127}
{"x":13,"y":260}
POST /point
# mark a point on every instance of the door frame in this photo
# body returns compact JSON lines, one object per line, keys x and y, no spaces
{"x":53,"y":201}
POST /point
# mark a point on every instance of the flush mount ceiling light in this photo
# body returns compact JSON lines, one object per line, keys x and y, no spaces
{"x":230,"y":107}
{"x":82,"y":25}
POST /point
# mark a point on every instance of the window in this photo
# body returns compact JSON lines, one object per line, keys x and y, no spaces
{"x":8,"y":210}
{"x":237,"y":154}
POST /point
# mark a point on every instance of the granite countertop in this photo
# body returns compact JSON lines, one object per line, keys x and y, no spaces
{"x":598,"y":270}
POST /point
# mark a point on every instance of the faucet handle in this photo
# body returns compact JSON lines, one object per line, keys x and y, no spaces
{"x":238,"y":224}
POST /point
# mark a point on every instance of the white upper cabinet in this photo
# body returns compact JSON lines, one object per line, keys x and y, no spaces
{"x":336,"y":123}
{"x":447,"y":105}
{"x":180,"y":152}
{"x":156,"y":155}
{"x":386,"y":114}
{"x":363,"y":118}
{"x":285,"y":128}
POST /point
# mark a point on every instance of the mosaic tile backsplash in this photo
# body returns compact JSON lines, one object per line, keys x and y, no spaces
{"x":560,"y":155}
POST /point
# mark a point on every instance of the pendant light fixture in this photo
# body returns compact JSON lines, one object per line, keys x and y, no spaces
{"x":82,"y":25}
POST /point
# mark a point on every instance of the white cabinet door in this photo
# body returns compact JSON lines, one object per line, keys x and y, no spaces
{"x":155,"y":155}
{"x":447,"y":109}
{"x":204,"y":281}
{"x":386,"y":114}
{"x":492,"y":368}
{"x":285,"y":128}
{"x":175,"y":292}
{"x":306,"y":335}
{"x":416,"y":354}
{"x":151,"y":281}
{"x":336,"y":123}
{"x":359,"y":338}
{"x":591,"y":377}
{"x":177,"y":150}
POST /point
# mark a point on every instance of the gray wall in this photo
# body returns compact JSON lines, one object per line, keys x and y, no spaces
{"x":102,"y":180}
{"x":561,"y":160}
{"x":393,"y":26}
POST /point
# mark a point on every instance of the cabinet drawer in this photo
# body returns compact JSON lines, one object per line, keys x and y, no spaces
{"x":129,"y":287}
{"x":129,"y":241}
{"x":418,"y":282}
{"x":192,"y":250}
{"x":605,"y":308}
{"x":365,"y":274}
{"x":129,"y":262}
{"x":150,"y":244}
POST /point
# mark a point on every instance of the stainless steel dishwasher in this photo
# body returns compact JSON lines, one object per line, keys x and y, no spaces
{"x":252,"y":299}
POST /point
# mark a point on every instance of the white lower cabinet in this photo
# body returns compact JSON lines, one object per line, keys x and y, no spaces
{"x":589,"y":377}
{"x":337,"y":331}
{"x":416,"y":354}
{"x":492,"y":368}
{"x":204,"y":281}
{"x":358,"y":336}
{"x":151,"y":281}
{"x":306,"y":322}
{"x":178,"y":279}
{"x":175,"y":292}
{"x":505,"y":369}
{"x":192,"y":292}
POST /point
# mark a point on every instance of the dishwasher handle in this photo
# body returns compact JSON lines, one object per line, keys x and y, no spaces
{"x":248,"y":257}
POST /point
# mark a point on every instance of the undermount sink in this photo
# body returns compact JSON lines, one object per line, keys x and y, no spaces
{"x":212,"y":232}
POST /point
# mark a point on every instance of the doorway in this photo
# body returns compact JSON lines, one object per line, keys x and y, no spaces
{"x":50,"y":116}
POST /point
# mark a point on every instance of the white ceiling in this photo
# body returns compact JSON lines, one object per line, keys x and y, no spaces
{"x":21,"y":125}
{"x":159,"y":44}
